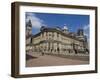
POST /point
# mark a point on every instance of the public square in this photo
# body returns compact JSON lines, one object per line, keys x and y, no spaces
{"x":37,"y":60}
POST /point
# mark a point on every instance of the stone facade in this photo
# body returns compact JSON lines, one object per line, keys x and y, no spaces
{"x":57,"y":41}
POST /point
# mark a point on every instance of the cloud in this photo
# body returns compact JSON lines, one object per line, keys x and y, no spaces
{"x":36,"y":22}
{"x":86,"y":30}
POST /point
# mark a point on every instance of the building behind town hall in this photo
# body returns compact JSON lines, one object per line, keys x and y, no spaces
{"x":56,"y":40}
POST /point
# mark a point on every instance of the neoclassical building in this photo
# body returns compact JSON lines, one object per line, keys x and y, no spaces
{"x":56,"y":40}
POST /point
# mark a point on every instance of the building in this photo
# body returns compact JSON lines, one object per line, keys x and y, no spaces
{"x":56,"y":40}
{"x":28,"y":35}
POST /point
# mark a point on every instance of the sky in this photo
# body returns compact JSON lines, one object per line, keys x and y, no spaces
{"x":72,"y":21}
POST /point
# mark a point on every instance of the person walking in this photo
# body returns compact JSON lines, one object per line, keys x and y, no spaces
{"x":42,"y":53}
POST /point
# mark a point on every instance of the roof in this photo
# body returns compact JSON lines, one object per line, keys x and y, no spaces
{"x":70,"y":34}
{"x":29,"y":24}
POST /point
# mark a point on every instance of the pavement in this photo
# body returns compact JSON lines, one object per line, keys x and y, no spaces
{"x":37,"y":60}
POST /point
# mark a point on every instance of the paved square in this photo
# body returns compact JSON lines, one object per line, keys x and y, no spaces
{"x":37,"y":60}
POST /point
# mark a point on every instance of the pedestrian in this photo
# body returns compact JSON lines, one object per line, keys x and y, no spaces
{"x":75,"y":51}
{"x":42,"y":53}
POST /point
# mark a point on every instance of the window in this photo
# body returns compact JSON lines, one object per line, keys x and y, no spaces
{"x":57,"y":34}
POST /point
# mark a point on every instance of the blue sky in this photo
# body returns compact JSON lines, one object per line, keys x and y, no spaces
{"x":72,"y":21}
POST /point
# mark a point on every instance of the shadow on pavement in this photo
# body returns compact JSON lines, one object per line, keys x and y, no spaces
{"x":28,"y":57}
{"x":81,"y":58}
